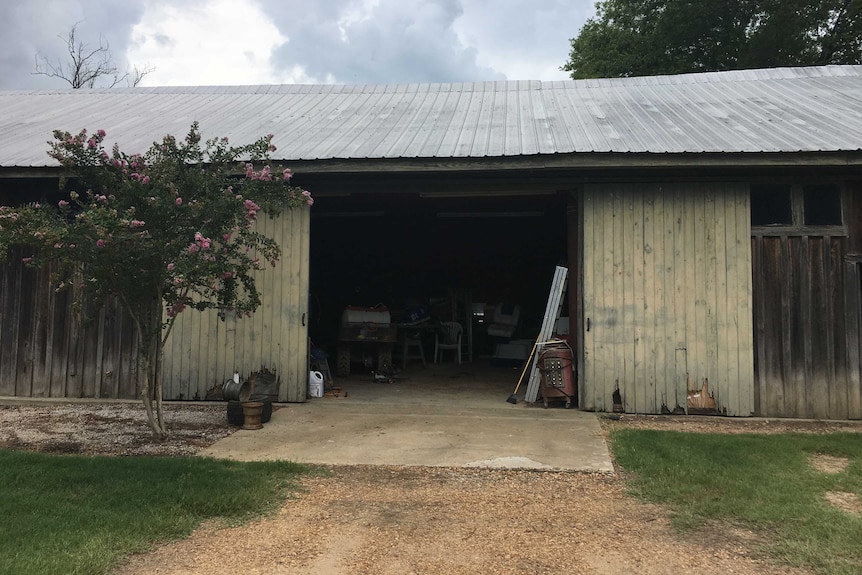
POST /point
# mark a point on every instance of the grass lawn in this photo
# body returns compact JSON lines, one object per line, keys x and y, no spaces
{"x":761,"y":482}
{"x":82,"y":515}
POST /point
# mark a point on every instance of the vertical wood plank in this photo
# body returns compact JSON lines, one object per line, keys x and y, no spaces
{"x":742,"y":305}
{"x":727,"y":384}
{"x":89,"y":349}
{"x":832,"y":276}
{"x":853,"y":326}
{"x":668,"y":369}
{"x":39,"y":334}
{"x":654,"y":287}
{"x":608,"y":275}
{"x":721,"y":387}
{"x":680,"y":299}
{"x":639,"y":316}
{"x":585,"y":401}
{"x":574,"y":287}
{"x":697,"y":286}
{"x":11,"y":311}
{"x":622,"y":260}
{"x":587,"y":384}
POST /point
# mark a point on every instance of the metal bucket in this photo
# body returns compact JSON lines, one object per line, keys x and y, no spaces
{"x":237,"y":390}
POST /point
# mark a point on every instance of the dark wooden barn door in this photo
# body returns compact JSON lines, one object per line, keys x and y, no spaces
{"x":806,"y":295}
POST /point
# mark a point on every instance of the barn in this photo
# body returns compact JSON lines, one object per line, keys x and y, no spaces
{"x":710,"y":224}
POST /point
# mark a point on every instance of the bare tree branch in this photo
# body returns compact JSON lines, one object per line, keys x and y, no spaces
{"x":85,"y":65}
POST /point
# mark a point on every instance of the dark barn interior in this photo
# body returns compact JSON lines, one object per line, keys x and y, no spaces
{"x":405,"y":249}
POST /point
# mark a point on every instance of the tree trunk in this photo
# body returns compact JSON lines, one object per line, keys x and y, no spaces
{"x":149,"y":327}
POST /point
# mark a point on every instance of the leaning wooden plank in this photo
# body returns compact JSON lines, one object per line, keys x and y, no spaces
{"x":552,"y":312}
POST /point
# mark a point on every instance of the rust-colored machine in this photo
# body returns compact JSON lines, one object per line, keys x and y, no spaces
{"x":556,"y":367}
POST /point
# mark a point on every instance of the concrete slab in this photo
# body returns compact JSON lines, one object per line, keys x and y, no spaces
{"x":442,"y":416}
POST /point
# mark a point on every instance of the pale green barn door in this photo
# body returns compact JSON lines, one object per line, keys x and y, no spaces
{"x":204,"y":351}
{"x":666,"y":279}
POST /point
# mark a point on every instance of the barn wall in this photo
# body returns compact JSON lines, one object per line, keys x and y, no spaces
{"x":667,"y":297}
{"x":50,"y":348}
{"x":203,"y":351}
{"x":807,"y":316}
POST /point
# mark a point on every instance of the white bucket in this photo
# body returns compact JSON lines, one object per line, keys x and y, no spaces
{"x":315,"y":384}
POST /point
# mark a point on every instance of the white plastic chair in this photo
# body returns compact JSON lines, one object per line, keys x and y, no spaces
{"x":449,"y":337}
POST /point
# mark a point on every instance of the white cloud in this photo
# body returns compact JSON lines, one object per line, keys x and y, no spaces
{"x":222,"y":42}
{"x":525,"y":40}
{"x":214,"y":42}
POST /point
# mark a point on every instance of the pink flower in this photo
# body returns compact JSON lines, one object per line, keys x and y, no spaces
{"x":205,"y":244}
{"x":100,"y":243}
{"x":176,"y":309}
{"x":100,"y":132}
{"x":62,"y":203}
{"x":310,"y":202}
{"x":198,"y":236}
{"x":226,"y":237}
{"x":170,"y":267}
{"x":59,"y":245}
{"x":226,"y":275}
{"x":27,"y":260}
{"x":193,"y":248}
{"x":91,"y":143}
{"x":137,"y":223}
{"x":179,"y":201}
{"x":145,"y":180}
{"x":287,"y":174}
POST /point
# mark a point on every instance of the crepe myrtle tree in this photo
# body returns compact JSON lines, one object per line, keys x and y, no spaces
{"x":163,"y":232}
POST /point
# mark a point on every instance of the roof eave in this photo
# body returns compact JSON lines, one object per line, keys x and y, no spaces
{"x":578,"y":160}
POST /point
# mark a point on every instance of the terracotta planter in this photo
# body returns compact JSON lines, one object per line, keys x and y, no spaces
{"x":252,"y":412}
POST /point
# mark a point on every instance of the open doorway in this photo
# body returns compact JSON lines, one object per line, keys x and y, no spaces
{"x":454,"y":258}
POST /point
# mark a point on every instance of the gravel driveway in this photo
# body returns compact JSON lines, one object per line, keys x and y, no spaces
{"x":420,"y":520}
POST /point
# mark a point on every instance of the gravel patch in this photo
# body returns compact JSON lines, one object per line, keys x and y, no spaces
{"x":110,"y":428}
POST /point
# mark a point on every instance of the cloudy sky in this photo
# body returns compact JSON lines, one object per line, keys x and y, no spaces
{"x":225,"y":42}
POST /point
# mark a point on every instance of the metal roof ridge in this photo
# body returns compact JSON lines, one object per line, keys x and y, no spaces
{"x":745,"y":75}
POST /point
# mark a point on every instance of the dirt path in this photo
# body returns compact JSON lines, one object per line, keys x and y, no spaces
{"x":397,"y":521}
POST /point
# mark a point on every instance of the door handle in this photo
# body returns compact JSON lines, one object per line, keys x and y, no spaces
{"x":588,"y":324}
{"x":303,"y":319}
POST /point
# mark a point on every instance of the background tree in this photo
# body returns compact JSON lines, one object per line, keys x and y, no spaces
{"x":647,"y":37}
{"x":84,"y":65}
{"x":163,"y":232}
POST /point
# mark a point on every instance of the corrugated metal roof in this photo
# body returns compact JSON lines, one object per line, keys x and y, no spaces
{"x":817,"y":109}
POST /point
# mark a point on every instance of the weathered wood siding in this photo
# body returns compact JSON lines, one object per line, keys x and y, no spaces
{"x":666,"y":296}
{"x":203,"y":351}
{"x":806,"y":309}
{"x":50,"y":349}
